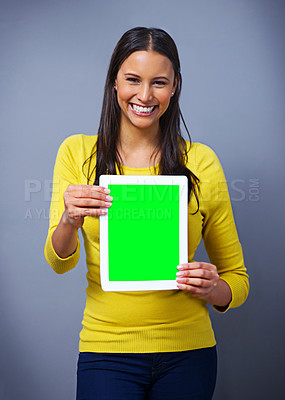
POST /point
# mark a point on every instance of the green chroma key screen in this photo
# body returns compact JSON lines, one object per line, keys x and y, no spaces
{"x":143,"y":230}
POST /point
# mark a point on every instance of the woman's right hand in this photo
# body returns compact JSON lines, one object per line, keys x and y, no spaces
{"x":85,"y":200}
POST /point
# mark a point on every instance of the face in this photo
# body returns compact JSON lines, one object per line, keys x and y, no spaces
{"x":144,"y":84}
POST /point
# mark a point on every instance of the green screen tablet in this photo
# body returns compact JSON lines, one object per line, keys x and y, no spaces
{"x":144,"y":235}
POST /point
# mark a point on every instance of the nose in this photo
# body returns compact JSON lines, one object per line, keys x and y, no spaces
{"x":145,"y":93}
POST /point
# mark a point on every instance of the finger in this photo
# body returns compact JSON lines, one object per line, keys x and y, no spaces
{"x":92,"y":187}
{"x":95,"y":211}
{"x":194,"y":290}
{"x":184,"y":287}
{"x":89,"y":191}
{"x":196,"y":265}
{"x":197,"y":282}
{"x":197,"y":273}
{"x":84,"y":212}
{"x":87,"y":202}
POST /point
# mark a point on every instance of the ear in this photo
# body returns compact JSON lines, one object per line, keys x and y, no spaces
{"x":115,"y":85}
{"x":174,"y":86}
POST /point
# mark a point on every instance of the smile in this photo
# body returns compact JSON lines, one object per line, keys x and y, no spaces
{"x":142,"y":110}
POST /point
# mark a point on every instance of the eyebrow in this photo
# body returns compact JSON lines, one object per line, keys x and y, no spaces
{"x":137,"y":76}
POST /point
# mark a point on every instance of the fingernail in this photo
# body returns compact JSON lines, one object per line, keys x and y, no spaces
{"x":179,"y":274}
{"x":108,"y":204}
{"x":107,"y":191}
{"x":109,"y":198}
{"x":179,"y":267}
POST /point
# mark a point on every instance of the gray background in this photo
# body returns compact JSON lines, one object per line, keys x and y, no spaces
{"x":54,"y":56}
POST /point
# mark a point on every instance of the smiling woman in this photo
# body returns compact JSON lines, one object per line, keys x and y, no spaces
{"x":144,"y":72}
{"x":148,"y":344}
{"x":144,"y":84}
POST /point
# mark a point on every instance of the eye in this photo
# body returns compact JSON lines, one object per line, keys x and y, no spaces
{"x":160,"y":83}
{"x":132,"y":80}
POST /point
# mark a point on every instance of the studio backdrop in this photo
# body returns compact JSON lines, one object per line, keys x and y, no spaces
{"x":54,"y":59}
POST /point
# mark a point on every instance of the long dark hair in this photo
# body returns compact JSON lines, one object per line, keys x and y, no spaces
{"x":172,"y":146}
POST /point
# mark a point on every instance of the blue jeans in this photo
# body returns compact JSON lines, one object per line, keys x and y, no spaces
{"x":185,"y":375}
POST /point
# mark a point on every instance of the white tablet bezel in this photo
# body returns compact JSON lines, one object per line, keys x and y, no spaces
{"x":182,"y":181}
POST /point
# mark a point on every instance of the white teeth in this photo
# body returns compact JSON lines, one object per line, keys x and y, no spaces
{"x":142,"y":109}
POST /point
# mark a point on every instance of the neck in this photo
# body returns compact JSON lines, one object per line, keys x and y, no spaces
{"x":137,"y":146}
{"x":135,"y":138}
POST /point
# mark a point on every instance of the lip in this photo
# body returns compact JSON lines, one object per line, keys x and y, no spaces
{"x":142,"y":114}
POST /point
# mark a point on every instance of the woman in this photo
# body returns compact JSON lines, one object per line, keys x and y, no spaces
{"x":153,"y":344}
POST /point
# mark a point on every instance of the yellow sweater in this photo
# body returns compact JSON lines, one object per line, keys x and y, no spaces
{"x":151,"y":321}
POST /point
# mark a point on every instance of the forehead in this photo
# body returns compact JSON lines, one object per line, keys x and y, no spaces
{"x":147,"y":62}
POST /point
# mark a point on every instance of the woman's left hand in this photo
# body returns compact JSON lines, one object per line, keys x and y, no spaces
{"x":199,"y":278}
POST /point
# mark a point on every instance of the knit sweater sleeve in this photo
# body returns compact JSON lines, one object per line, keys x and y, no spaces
{"x":219,"y":230}
{"x":65,"y":173}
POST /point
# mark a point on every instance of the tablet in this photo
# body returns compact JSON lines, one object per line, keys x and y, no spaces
{"x":143,"y":238}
